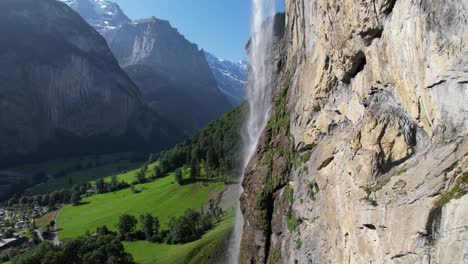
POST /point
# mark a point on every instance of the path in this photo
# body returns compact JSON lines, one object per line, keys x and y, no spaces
{"x":55,"y":232}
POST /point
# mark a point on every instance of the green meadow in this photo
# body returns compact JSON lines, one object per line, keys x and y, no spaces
{"x":195,"y":252}
{"x":163,"y":198}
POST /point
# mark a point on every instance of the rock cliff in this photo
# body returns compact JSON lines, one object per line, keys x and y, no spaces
{"x":364,"y":159}
{"x":61,"y":89}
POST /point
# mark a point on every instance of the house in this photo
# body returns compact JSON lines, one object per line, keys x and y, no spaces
{"x":12,"y":242}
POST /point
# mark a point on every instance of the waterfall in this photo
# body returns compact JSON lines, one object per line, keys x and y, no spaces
{"x":259,"y":97}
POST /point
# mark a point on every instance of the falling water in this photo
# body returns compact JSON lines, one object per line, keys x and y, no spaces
{"x":259,"y":96}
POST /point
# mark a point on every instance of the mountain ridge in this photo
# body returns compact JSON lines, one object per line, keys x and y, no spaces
{"x":151,"y":47}
{"x":155,"y":43}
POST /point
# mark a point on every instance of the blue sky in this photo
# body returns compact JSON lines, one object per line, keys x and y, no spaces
{"x":221,"y":27}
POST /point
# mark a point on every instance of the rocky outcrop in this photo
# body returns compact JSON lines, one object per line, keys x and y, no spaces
{"x":62,"y":91}
{"x":370,"y":164}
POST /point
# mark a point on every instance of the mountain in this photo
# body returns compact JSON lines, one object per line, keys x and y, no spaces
{"x":171,"y":72}
{"x":103,"y":15}
{"x":230,"y":76}
{"x":63,"y":92}
{"x":364,"y":158}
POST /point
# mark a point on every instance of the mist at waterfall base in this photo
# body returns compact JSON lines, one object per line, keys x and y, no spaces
{"x":259,"y":97}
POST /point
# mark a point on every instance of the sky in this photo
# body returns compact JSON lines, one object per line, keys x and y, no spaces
{"x":221,"y":27}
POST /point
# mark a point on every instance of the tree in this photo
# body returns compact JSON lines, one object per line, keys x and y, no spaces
{"x":195,"y":154}
{"x":9,"y":233}
{"x":193,"y":171}
{"x":157,"y":173}
{"x":211,"y":158}
{"x":52,"y":202}
{"x":101,"y":186}
{"x":179,"y":177}
{"x":114,"y":183}
{"x":105,"y":249}
{"x":75,"y":198}
{"x":45,"y":232}
{"x":140,"y":177}
{"x":102,"y":230}
{"x":150,"y":226}
{"x":66,"y":194}
{"x":126,"y":225}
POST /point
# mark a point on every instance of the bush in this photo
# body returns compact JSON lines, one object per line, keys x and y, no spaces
{"x":99,"y":249}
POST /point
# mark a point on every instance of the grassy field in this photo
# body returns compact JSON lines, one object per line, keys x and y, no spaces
{"x":163,"y":198}
{"x":45,"y":219}
{"x":194,"y":252}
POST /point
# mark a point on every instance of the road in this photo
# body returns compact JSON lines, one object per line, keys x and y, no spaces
{"x":53,"y":233}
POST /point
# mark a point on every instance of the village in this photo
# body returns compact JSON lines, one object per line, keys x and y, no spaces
{"x":18,"y":230}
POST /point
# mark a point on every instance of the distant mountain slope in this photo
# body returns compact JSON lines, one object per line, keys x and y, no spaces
{"x":171,"y":72}
{"x":230,"y":76}
{"x":61,"y":89}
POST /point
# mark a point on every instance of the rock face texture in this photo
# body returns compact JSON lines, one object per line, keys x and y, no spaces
{"x":61,"y":89}
{"x":364,"y":159}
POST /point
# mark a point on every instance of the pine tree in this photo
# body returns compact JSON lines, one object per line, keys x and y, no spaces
{"x":193,"y":171}
{"x":178,"y":177}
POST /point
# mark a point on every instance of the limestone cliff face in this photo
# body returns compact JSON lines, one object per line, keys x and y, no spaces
{"x":363,"y":159}
{"x":60,"y":84}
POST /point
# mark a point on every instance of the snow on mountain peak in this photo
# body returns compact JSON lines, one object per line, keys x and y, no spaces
{"x":231,"y":77}
{"x":103,"y":15}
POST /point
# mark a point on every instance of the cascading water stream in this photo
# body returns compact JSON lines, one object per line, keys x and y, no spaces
{"x":259,"y":96}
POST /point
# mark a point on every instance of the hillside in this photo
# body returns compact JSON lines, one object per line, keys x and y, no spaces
{"x":91,"y":192}
{"x":63,"y":92}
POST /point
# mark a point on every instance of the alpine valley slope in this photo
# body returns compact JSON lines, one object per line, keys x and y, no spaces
{"x":364,"y":159}
{"x":172,"y":73}
{"x":63,"y":92}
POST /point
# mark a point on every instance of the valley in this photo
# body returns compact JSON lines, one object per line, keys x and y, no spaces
{"x":167,"y":132}
{"x":192,"y":176}
{"x":162,"y":197}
